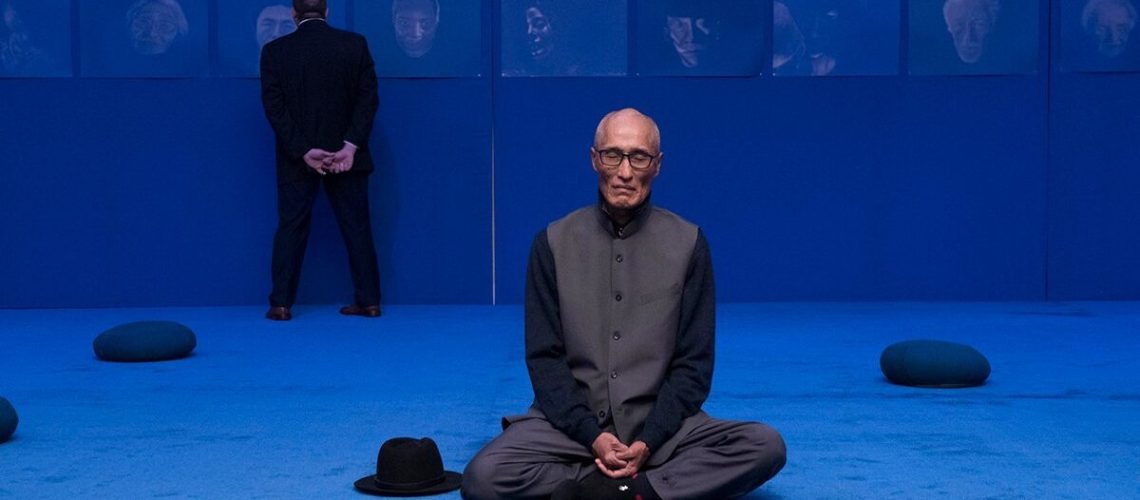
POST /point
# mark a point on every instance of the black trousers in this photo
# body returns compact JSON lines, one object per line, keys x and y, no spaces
{"x":348,"y":195}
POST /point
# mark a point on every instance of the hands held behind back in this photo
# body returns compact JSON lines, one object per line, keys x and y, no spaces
{"x":341,"y":161}
{"x":318,"y":160}
{"x":617,"y":460}
{"x":324,"y":162}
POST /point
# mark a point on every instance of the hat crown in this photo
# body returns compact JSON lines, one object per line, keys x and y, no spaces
{"x":407,"y":463}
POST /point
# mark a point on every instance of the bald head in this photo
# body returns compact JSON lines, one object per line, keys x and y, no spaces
{"x":628,"y":118}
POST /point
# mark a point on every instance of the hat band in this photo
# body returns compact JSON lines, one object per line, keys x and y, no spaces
{"x":410,"y":486}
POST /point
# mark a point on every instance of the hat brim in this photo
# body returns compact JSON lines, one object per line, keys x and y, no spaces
{"x":451,"y":481}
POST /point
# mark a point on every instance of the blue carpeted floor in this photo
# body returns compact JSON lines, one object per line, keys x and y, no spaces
{"x":299,"y":409}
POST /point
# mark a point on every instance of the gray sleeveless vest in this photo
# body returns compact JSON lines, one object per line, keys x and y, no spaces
{"x":620,"y":305}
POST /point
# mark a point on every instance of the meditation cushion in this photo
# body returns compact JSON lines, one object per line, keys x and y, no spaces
{"x":8,"y":420}
{"x":934,"y":363}
{"x":145,"y":341}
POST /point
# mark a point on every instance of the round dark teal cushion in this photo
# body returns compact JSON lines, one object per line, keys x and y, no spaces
{"x":145,"y":341}
{"x":934,"y":363}
{"x":8,"y":420}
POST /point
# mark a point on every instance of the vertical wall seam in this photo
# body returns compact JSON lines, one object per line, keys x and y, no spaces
{"x":1049,"y":41}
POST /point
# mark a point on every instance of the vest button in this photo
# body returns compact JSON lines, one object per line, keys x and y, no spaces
{"x":617,"y":335}
{"x":618,"y":297}
{"x":619,"y":258}
{"x":601,"y":413}
{"x":613,"y":374}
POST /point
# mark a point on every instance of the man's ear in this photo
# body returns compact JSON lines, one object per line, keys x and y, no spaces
{"x":657,"y":170}
{"x":594,"y":160}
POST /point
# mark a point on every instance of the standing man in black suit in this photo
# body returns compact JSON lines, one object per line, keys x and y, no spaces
{"x":318,"y":86}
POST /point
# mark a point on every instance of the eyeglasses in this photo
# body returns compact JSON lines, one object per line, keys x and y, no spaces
{"x":612,"y":159}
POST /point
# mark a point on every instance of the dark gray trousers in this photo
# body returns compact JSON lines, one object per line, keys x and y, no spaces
{"x":719,"y":459}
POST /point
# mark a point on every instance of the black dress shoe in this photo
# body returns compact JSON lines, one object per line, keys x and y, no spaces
{"x":366,"y":311}
{"x":279,"y":313}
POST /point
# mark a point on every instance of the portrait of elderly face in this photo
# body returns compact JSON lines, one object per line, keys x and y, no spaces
{"x":970,"y":23}
{"x":415,"y":23}
{"x":691,"y":35}
{"x":540,"y":35}
{"x":274,"y":21}
{"x":1109,"y":23}
{"x":627,"y":157}
{"x":154,"y":25}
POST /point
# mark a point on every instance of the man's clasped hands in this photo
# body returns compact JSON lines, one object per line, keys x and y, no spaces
{"x":325,"y":162}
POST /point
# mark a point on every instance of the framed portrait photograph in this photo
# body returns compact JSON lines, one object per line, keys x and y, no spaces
{"x":835,"y":37}
{"x":422,"y":38}
{"x":35,"y":38}
{"x":144,"y":38}
{"x":564,"y":37}
{"x":700,"y":37}
{"x":974,"y":37}
{"x":1099,"y":36}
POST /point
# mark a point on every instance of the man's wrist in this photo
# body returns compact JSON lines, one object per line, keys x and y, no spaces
{"x":354,"y":147}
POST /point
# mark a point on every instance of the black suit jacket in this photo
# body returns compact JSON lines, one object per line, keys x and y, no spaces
{"x":318,"y":86}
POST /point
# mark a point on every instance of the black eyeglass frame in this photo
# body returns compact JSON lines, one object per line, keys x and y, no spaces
{"x":625,"y":157}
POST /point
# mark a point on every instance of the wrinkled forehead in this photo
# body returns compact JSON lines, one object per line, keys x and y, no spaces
{"x":629,"y":132}
{"x":155,"y":10}
{"x":1113,"y":13}
{"x":276,"y":12}
{"x":418,"y":8}
{"x":968,"y":9}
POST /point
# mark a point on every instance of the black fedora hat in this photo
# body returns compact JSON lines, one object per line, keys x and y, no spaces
{"x":408,"y":467}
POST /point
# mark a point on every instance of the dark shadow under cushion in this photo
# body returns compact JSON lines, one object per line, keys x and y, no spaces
{"x":145,"y":341}
{"x":934,"y":363}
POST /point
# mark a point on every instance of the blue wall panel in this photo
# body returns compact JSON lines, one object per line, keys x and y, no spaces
{"x":162,"y":192}
{"x":1094,"y":240}
{"x":141,"y":192}
{"x":808,"y":189}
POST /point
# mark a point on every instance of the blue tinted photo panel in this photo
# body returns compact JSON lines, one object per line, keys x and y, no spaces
{"x":35,"y":38}
{"x":422,"y":38}
{"x":1099,"y":36}
{"x":973,"y":37}
{"x":835,"y":37}
{"x":700,"y":37}
{"x":564,"y":37}
{"x":245,"y":26}
{"x":144,"y":38}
